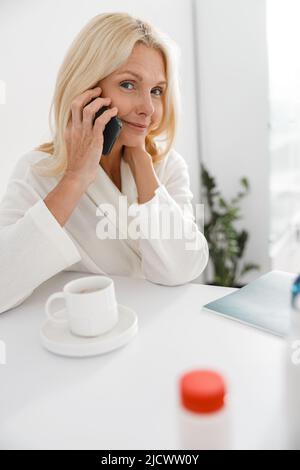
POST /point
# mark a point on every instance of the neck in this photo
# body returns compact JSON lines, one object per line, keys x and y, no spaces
{"x":111,"y":162}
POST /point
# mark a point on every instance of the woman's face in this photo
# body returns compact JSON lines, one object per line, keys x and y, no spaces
{"x":139,"y":99}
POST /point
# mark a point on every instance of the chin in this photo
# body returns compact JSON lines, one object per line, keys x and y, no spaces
{"x":127,"y":139}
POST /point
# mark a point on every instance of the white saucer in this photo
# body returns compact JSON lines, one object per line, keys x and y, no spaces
{"x":59,"y":340}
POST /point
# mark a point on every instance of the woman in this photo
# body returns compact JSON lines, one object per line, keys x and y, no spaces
{"x":50,"y":214}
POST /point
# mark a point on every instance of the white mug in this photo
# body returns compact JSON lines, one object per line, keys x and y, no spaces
{"x":91,"y":306}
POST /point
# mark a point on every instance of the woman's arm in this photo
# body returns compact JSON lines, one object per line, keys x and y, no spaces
{"x":33,"y":244}
{"x":167,"y":260}
{"x":63,"y":199}
{"x":141,"y":166}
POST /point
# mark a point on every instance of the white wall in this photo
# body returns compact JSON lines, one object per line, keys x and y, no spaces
{"x":233,"y":103}
{"x":34,"y":37}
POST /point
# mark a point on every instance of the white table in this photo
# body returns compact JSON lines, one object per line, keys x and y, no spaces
{"x":128,"y":399}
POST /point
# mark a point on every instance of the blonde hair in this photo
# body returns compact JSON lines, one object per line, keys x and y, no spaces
{"x":101,"y":47}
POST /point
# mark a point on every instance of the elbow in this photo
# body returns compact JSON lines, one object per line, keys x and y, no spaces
{"x":201,"y":259}
{"x":190,"y":267}
{"x":12,"y":304}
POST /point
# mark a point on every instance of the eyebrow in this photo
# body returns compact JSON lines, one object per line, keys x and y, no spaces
{"x":163,"y":82}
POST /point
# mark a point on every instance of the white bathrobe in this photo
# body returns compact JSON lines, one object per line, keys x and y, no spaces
{"x":34,"y":246}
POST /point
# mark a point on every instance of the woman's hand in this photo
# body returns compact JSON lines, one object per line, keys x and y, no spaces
{"x":146,"y":180}
{"x":135,"y":156}
{"x":83,"y":139}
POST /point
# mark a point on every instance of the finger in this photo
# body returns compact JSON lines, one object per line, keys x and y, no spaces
{"x":68,"y":126}
{"x":101,"y":122}
{"x":90,"y":110}
{"x":79,"y":102}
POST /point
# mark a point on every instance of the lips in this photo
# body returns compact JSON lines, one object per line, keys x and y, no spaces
{"x":142,"y":126}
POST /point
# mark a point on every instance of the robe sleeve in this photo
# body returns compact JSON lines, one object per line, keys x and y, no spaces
{"x":180,"y":254}
{"x":33,"y":245}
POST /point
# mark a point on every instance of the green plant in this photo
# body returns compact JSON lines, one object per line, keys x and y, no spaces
{"x":226,"y":243}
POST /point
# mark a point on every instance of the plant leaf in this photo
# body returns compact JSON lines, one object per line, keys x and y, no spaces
{"x":249,"y":267}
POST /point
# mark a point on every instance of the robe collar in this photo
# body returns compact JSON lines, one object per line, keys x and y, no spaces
{"x":103,"y":190}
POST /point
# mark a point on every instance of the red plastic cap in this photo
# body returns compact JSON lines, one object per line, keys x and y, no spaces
{"x":202,"y":391}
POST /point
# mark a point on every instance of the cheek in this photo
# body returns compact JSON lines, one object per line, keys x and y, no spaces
{"x":159,"y":110}
{"x":158,"y":114}
{"x":123,"y":104}
{"x":109,"y":91}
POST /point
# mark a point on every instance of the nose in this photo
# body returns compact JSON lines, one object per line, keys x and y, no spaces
{"x":145,"y":104}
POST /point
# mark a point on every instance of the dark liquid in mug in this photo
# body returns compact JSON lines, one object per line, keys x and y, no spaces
{"x":88,"y":290}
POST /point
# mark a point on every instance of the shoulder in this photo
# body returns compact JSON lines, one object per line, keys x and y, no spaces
{"x":25,"y":163}
{"x":174,"y":158}
{"x":24,"y":178}
{"x":172,"y":165}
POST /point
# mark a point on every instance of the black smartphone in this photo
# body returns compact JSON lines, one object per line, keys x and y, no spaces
{"x":111,"y":131}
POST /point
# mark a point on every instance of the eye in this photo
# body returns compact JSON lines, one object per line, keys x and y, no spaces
{"x":125,"y":83}
{"x":158,"y":88}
